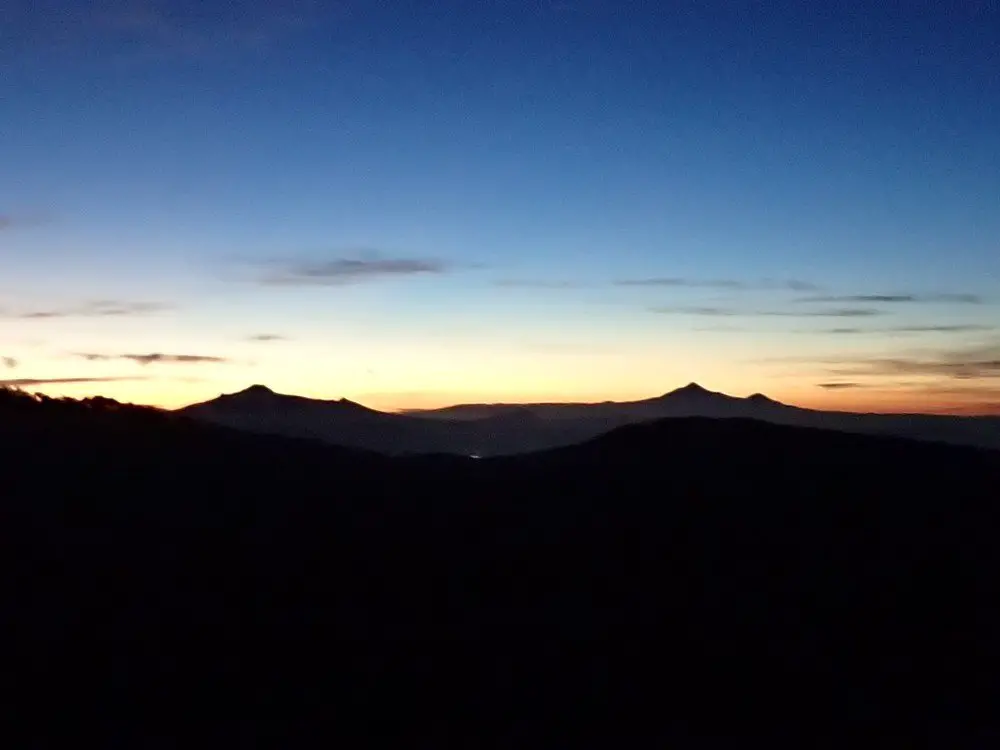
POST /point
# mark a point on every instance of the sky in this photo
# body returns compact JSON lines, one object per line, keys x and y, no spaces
{"x":412,"y":204}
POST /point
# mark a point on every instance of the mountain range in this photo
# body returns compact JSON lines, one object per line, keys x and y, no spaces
{"x":505,"y":429}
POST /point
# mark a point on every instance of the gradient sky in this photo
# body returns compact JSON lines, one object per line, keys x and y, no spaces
{"x":419,"y":203}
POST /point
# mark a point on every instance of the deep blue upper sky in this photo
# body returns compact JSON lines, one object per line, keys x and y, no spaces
{"x":469,"y":155}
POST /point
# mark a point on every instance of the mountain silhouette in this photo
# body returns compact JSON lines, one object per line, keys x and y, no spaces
{"x":499,"y":429}
{"x":261,"y":395}
{"x":693,"y":391}
{"x":344,"y":422}
{"x":695,"y":394}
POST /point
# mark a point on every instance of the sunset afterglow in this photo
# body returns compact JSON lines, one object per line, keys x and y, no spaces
{"x":489,"y":204}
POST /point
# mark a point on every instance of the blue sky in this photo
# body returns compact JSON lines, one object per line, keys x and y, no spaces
{"x":502,"y":201}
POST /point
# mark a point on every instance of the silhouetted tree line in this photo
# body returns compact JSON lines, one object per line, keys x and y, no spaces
{"x":691,"y":579}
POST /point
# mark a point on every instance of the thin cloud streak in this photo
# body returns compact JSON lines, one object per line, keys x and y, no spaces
{"x":355,"y":270}
{"x":843,"y":312}
{"x":29,"y":382}
{"x":266,"y":337}
{"x":732,"y":284}
{"x":154,"y":358}
{"x":962,"y":363}
{"x":958,"y":328}
{"x":960,"y":299}
{"x":846,"y":312}
{"x":96,"y":309}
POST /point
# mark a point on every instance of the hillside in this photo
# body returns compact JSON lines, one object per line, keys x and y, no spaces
{"x":668,"y":580}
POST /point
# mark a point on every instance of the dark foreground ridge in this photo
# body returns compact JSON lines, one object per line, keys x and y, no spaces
{"x":168,"y":583}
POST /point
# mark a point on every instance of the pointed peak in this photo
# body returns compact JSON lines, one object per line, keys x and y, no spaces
{"x":691,"y":389}
{"x":761,"y":399}
{"x":254,"y":391}
{"x":258,"y":388}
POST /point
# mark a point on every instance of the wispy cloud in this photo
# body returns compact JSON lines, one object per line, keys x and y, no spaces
{"x":154,"y":358}
{"x":665,"y":282}
{"x":95,"y":309}
{"x":957,"y":328}
{"x":9,"y":362}
{"x":840,"y":312}
{"x":931,"y":395}
{"x":29,"y":382}
{"x":843,"y":312}
{"x":972,"y":369}
{"x":350,"y":270}
{"x":970,"y":398}
{"x":261,"y":337}
{"x":958,"y":299}
{"x":958,"y":363}
{"x":732,"y":284}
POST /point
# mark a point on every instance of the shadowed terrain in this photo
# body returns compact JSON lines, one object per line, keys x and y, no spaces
{"x":169,"y":581}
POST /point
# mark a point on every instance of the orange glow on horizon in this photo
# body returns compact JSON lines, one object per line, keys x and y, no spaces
{"x":899,"y":401}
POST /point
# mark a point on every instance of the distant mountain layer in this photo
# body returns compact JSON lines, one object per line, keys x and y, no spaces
{"x":503,"y":429}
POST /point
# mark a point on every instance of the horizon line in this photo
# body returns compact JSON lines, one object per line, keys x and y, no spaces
{"x":954,"y":410}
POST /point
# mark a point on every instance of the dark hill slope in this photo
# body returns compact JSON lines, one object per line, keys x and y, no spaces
{"x":675,"y":580}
